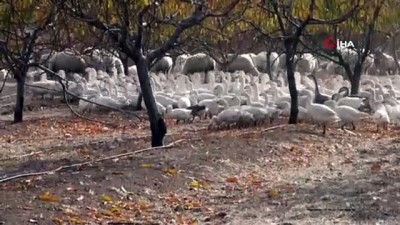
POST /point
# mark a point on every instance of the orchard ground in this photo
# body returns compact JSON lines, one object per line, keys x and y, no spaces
{"x":285,"y":175}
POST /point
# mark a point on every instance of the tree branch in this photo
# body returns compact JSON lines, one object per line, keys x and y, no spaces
{"x":196,"y":18}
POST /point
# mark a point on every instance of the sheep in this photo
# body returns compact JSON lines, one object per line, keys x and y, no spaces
{"x":67,"y":61}
{"x":228,"y":116}
{"x":385,"y":64}
{"x":163,"y":65}
{"x":246,"y":119}
{"x":260,"y":60}
{"x":281,"y":67}
{"x":243,"y":63}
{"x":306,"y":64}
{"x":199,"y":62}
{"x":179,"y":62}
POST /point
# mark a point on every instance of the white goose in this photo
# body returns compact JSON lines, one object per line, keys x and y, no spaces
{"x":347,"y":114}
{"x":321,"y":114}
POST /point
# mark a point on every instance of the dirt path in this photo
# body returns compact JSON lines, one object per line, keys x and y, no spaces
{"x":283,"y":176}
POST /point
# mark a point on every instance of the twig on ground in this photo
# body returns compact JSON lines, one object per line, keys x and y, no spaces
{"x":90,"y":162}
{"x":349,"y":132}
{"x":266,"y":129}
{"x":46,"y":150}
{"x":331,"y":209}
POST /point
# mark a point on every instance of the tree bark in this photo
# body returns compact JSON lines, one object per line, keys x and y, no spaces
{"x":157,"y":124}
{"x":124,"y":59}
{"x":19,"y":106}
{"x":269,"y":65}
{"x":290,"y":47}
{"x":394,"y":47}
{"x":355,"y":79}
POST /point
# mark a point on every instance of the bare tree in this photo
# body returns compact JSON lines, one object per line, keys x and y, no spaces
{"x":133,"y":43}
{"x":19,"y":33}
{"x":353,"y":70}
{"x":291,"y":29}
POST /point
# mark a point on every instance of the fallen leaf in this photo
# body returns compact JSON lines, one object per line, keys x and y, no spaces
{"x":206,"y":185}
{"x":194,"y":184}
{"x":106,"y":198}
{"x":76,"y":220}
{"x":232,"y":180}
{"x":376,"y":167}
{"x":146,"y":165}
{"x":143,"y":205}
{"x":48,"y":197}
{"x":171,"y":171}
{"x":193,"y":205}
{"x":197,"y":184}
{"x":107,"y":213}
{"x":58,"y":221}
{"x":273,"y":193}
{"x":115,"y":210}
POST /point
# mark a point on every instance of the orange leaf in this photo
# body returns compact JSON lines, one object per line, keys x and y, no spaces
{"x":232,"y":180}
{"x":48,"y":197}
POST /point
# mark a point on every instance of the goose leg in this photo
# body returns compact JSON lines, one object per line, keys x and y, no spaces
{"x":324,"y":129}
{"x":354,"y":126}
{"x":177,"y":121}
{"x":342,"y":127}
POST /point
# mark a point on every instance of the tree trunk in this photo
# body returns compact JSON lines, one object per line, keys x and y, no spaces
{"x":394,"y":47}
{"x":355,"y":79}
{"x":290,"y":47}
{"x":19,"y":106}
{"x":157,"y":124}
{"x":124,"y":59}
{"x":269,"y":65}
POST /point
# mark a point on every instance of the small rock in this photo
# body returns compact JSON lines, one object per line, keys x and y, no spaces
{"x":221,"y":214}
{"x":249,"y":215}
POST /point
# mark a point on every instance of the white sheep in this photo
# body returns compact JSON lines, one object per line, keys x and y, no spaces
{"x":385,"y":64}
{"x":199,"y":62}
{"x":242,"y":62}
{"x":260,"y":60}
{"x":228,"y":116}
{"x":179,"y":62}
{"x":163,"y":65}
{"x":306,"y":64}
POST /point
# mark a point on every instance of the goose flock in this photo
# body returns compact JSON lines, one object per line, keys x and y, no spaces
{"x":233,"y":99}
